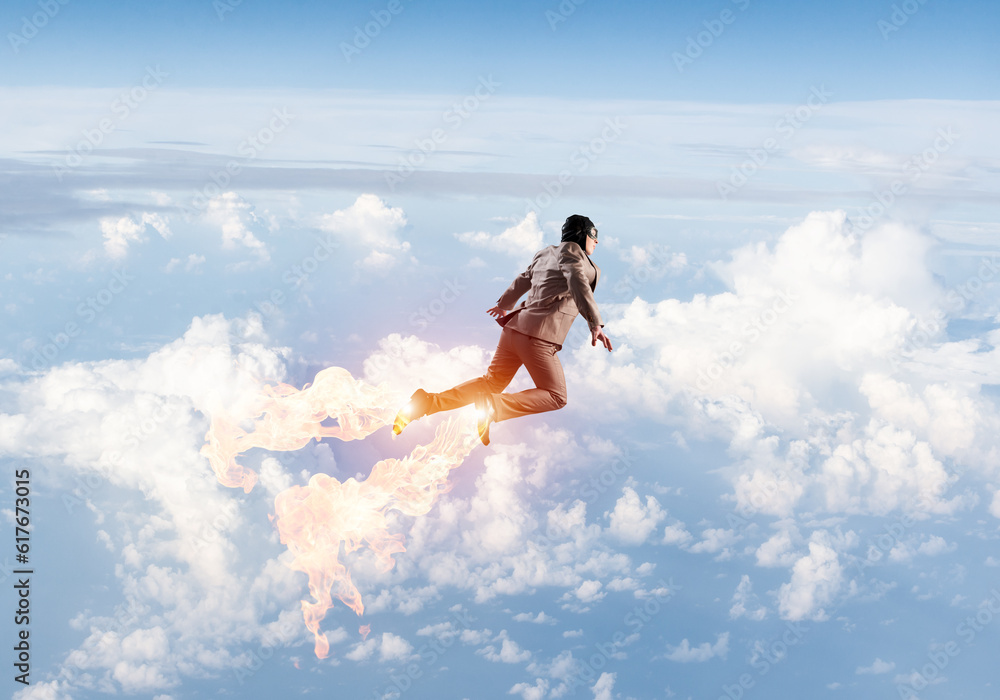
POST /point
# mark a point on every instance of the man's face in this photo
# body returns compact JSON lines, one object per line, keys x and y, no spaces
{"x":591,"y":241}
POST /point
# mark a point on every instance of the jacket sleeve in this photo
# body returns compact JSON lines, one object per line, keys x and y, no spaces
{"x":517,"y":288}
{"x":572,"y":261}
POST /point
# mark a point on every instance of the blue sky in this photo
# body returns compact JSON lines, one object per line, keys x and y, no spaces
{"x":766,"y":52}
{"x":782,"y":483}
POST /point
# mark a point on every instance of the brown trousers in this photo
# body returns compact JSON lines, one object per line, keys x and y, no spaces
{"x":514,"y":349}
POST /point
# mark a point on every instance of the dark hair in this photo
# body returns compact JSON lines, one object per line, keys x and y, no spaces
{"x":576,"y":229}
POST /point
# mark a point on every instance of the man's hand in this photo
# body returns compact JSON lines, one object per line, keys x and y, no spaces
{"x":598,"y":334}
{"x":496,"y":312}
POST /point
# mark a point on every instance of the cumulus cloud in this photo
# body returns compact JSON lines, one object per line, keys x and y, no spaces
{"x":604,"y":688}
{"x":676,"y":534}
{"x":816,"y":579}
{"x":237,"y":217}
{"x":878,"y":666}
{"x":820,"y":299}
{"x":715,"y":540}
{"x":520,"y":241}
{"x":654,"y":257}
{"x":745,"y":603}
{"x":778,"y":550}
{"x":685,"y":653}
{"x":494,"y":543}
{"x":394,"y":648}
{"x":531,"y":692}
{"x":362,"y":651}
{"x":492,"y":539}
{"x":589,"y":592}
{"x":632,"y":522}
{"x":373,"y":227}
{"x":509,"y":653}
{"x":539,"y":619}
{"x":932,"y":546}
{"x":45,"y":690}
{"x":765,"y":363}
{"x":995,"y":504}
{"x":190,"y":596}
{"x":121,"y":232}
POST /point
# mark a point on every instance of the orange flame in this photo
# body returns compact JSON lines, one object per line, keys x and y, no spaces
{"x":315,"y":520}
{"x":286,"y":418}
{"x":364,"y":631}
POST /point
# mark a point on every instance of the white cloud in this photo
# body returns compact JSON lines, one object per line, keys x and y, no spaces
{"x":714,"y":540}
{"x":562,"y":520}
{"x":604,"y":688}
{"x":685,"y":653}
{"x":510,"y":652}
{"x":190,"y":597}
{"x":362,"y":651}
{"x":816,"y":580}
{"x":761,"y":363}
{"x":410,"y":361}
{"x":995,"y":504}
{"x":745,"y":603}
{"x":623,"y":584}
{"x":45,"y":690}
{"x":120,"y":232}
{"x":676,"y":534}
{"x":947,"y":415}
{"x":475,"y":637}
{"x":495,"y":542}
{"x":589,"y":592}
{"x":441,"y":630}
{"x":885,"y":470}
{"x":531,"y":692}
{"x":145,"y":645}
{"x":631,"y":522}
{"x":236,"y":216}
{"x":778,"y":550}
{"x":520,"y":241}
{"x":769,"y":490}
{"x":932,"y":546}
{"x":539,"y":619}
{"x":878,"y":666}
{"x":372,"y":226}
{"x":394,"y":648}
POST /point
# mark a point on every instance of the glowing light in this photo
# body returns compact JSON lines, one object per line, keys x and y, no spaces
{"x":285,"y":418}
{"x":316,"y":520}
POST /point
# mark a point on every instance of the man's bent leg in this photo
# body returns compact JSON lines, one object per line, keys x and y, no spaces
{"x":502,"y":369}
{"x":540,"y":359}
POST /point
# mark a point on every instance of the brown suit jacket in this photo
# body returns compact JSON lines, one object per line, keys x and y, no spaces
{"x":561,"y":279}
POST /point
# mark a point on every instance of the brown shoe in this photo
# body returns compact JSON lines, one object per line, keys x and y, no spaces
{"x":416,"y":408}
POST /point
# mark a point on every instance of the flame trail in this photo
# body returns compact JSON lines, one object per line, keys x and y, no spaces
{"x":315,"y":520}
{"x":286,"y":418}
